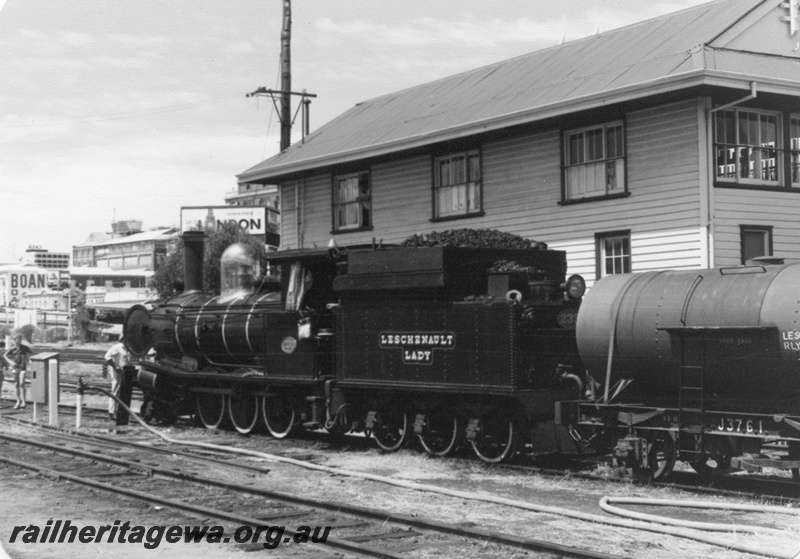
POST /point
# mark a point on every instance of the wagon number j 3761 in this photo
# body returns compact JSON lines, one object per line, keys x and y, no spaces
{"x":732,"y":425}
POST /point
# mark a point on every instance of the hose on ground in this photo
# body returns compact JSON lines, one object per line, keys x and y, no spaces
{"x":676,"y":530}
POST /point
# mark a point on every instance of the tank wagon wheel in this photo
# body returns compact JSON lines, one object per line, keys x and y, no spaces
{"x":243,"y":411}
{"x":716,"y":461}
{"x":496,"y":439}
{"x":279,"y":416}
{"x":443,"y":433}
{"x":660,"y":454}
{"x":391,"y":430}
{"x":211,"y":409}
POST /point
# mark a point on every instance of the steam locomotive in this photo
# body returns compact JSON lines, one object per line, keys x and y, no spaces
{"x":463,"y":346}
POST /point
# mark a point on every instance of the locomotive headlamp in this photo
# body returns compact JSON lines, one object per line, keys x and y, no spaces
{"x":575,"y":286}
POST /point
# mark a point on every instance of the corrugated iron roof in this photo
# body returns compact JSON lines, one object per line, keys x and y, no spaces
{"x":667,"y":51}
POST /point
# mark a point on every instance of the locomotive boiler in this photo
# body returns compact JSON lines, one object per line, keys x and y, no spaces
{"x":450,"y":345}
{"x":710,"y":358}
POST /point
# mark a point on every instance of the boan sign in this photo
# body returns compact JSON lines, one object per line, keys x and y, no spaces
{"x":17,"y":281}
{"x":251,"y":219}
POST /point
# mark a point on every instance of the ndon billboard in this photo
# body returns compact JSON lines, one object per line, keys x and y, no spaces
{"x":252,"y":219}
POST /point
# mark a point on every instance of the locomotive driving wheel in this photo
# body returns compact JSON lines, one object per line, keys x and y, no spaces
{"x":442,"y":434}
{"x":495,"y":438}
{"x":279,"y":416}
{"x":243,"y":411}
{"x":390,"y":430}
{"x":211,"y":409}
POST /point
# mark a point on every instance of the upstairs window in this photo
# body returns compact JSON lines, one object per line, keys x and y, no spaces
{"x":794,"y":138}
{"x":352,"y":202}
{"x":457,"y":185}
{"x":594,"y":161}
{"x":746,"y":147}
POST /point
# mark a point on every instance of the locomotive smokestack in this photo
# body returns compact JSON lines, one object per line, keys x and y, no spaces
{"x":193,"y":243}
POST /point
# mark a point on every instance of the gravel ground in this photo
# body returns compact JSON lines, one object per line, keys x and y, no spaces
{"x":30,"y":500}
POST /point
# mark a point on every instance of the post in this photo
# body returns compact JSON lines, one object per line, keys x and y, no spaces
{"x":79,"y":404}
{"x":127,"y":378}
{"x":52,"y":389}
{"x":78,"y":410}
{"x":69,"y":314}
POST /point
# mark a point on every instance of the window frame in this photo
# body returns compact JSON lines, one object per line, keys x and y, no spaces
{"x":600,"y":256}
{"x":793,"y":151}
{"x":782,"y":125}
{"x":436,"y":187}
{"x":567,"y":155}
{"x":766,"y":230}
{"x":361,"y":201}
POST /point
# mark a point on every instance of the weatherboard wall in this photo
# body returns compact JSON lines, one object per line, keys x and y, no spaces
{"x":735,"y":207}
{"x":522,"y":191}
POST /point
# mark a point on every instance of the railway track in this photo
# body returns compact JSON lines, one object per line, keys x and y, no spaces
{"x":74,"y":353}
{"x":161,"y":477}
{"x":746,"y":486}
{"x":741,"y":485}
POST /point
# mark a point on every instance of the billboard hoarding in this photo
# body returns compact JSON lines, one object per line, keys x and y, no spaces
{"x":251,"y":219}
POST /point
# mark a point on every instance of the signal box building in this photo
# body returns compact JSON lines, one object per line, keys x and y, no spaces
{"x":671,"y":143}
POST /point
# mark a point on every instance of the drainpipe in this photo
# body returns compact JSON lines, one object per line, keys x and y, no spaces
{"x":711,"y":170}
{"x":753,"y":94}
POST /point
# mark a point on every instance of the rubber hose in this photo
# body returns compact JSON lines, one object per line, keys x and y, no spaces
{"x":707,"y":526}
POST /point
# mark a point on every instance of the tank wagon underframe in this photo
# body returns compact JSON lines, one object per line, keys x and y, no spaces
{"x":699,"y":365}
{"x":731,"y":439}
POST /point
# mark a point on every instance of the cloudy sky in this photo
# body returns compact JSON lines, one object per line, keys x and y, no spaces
{"x":131,"y":109}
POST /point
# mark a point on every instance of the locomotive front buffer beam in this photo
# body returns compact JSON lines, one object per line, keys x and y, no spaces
{"x":642,"y":437}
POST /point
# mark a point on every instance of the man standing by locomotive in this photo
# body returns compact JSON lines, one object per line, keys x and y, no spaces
{"x":17,"y":359}
{"x":116,"y":358}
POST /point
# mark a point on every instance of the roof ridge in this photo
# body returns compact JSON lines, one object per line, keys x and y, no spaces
{"x":594,"y":36}
{"x":755,"y":6}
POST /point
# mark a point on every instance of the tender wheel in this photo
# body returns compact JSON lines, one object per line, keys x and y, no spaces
{"x":495,"y":440}
{"x":794,"y":454}
{"x":279,"y":416}
{"x":660,"y":454}
{"x":211,"y":409}
{"x":442,"y":434}
{"x":390,"y":430}
{"x":243,"y":412}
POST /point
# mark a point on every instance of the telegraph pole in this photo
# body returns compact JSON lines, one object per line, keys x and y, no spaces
{"x":285,"y":93}
{"x":286,"y":76}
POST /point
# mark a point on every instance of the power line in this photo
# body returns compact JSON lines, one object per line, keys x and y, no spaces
{"x":119,"y":115}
